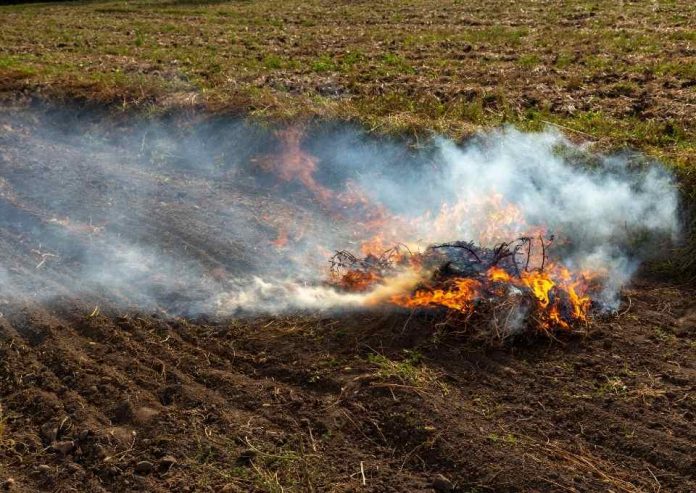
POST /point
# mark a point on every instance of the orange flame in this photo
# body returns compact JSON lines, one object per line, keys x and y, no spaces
{"x":560,"y":297}
{"x":356,"y":280}
{"x":496,"y":274}
{"x":374,"y":246}
{"x":540,"y":285}
{"x":293,"y":163}
{"x":460,"y":296}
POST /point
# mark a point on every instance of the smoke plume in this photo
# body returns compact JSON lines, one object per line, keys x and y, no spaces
{"x":192,"y":215}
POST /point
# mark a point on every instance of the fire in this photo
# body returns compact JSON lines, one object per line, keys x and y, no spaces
{"x":490,"y":216}
{"x":374,"y":246}
{"x":376,"y":228}
{"x":540,"y":284}
{"x":460,"y":296}
{"x":356,"y":280}
{"x":496,"y":274}
{"x":581,"y":304}
{"x":458,"y":277}
{"x":294,"y":164}
{"x":556,"y":296}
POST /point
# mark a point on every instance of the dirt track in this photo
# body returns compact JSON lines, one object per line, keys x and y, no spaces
{"x":117,"y":399}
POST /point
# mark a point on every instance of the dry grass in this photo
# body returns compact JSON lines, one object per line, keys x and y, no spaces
{"x":408,"y":372}
{"x":586,"y":463}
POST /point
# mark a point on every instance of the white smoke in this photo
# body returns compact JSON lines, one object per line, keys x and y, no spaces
{"x":188,"y":222}
{"x":599,"y":205}
{"x":277,"y":296}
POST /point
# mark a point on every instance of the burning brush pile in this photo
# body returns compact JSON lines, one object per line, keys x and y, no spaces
{"x":514,"y":283}
{"x":499,"y":198}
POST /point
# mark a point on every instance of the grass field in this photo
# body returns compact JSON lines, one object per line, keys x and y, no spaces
{"x":621,"y":73}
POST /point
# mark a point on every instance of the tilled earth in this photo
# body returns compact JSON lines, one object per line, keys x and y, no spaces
{"x":128,"y":401}
{"x":101,"y":394}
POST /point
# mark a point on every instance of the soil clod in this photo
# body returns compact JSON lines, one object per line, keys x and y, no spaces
{"x":8,"y":484}
{"x":144,"y":467}
{"x":442,"y":485}
{"x":63,"y":447}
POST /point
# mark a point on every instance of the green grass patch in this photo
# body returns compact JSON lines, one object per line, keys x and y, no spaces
{"x":139,"y":39}
{"x":563,"y":60}
{"x":683,"y":69}
{"x":397,"y":62}
{"x":324,"y":64}
{"x":530,"y":61}
{"x":273,"y":62}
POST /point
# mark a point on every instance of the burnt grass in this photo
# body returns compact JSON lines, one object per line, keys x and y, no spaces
{"x":122,"y":401}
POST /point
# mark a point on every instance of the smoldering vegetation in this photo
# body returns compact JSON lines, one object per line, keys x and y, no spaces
{"x":193,"y":214}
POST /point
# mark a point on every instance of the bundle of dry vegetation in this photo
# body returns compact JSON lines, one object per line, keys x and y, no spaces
{"x":510,"y":289}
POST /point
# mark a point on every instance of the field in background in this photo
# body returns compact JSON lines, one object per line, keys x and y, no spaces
{"x":621,"y":73}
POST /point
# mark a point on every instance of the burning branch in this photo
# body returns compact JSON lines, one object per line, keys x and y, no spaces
{"x":461,"y":276}
{"x":358,"y":274}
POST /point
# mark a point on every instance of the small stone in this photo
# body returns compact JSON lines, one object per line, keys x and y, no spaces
{"x":442,"y":485}
{"x":8,"y":484}
{"x":64,"y":447}
{"x":143,"y":467}
{"x":167,"y":462}
{"x":246,"y":456}
{"x":44,"y":469}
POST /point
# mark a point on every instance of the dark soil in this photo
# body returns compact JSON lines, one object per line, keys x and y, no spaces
{"x":302,"y":402}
